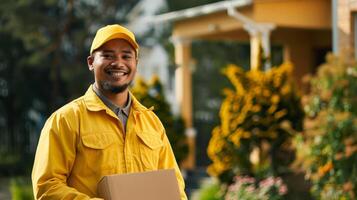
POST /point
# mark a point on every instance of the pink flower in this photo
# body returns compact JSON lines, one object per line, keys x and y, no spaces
{"x":283,"y":189}
{"x":278,"y":181}
{"x":267,"y":182}
{"x":250,"y":189}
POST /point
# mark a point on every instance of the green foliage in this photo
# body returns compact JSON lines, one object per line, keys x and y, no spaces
{"x":210,"y":193}
{"x":210,"y":189}
{"x":8,"y":159}
{"x":44,"y":45}
{"x":54,"y":37}
{"x":21,"y":189}
{"x":151,"y":95}
{"x":328,"y":150}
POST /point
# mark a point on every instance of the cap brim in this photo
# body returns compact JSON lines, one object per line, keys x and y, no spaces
{"x":116,"y":36}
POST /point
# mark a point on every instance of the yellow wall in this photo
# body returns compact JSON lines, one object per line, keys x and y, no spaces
{"x":312,"y":14}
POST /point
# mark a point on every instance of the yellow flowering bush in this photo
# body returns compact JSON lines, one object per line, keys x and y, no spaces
{"x":151,"y":94}
{"x":258,"y":118}
{"x":328,"y":148}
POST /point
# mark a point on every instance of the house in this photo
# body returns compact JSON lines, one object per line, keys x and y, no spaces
{"x":306,"y":30}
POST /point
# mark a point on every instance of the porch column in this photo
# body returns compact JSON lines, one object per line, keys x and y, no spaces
{"x":255,"y":44}
{"x":259,"y":38}
{"x":259,"y":45}
{"x":183,"y":91}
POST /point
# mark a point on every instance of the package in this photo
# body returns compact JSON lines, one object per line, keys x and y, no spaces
{"x":152,"y":185}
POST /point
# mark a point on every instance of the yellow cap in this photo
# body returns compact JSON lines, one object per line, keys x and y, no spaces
{"x":110,"y":32}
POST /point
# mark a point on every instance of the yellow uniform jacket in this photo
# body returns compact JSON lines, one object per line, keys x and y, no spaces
{"x":84,"y":140}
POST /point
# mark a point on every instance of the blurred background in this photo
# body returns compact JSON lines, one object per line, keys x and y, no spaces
{"x":258,"y":97}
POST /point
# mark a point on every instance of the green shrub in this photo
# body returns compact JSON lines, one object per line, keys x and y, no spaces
{"x":328,"y":148}
{"x":210,"y":189}
{"x":21,"y":189}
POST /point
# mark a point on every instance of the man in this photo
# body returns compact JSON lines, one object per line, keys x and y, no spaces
{"x":106,"y":131}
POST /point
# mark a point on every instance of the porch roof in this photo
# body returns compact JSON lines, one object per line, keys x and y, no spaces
{"x":212,"y":21}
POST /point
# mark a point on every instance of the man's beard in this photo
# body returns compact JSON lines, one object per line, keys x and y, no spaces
{"x":107,"y":86}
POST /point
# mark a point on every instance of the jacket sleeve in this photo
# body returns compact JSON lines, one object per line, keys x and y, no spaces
{"x":55,"y":155}
{"x":168,"y":161}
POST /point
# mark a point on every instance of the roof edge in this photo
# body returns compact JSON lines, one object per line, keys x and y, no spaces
{"x":199,"y":10}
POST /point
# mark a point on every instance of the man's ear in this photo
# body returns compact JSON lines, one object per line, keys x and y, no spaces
{"x":90,"y":60}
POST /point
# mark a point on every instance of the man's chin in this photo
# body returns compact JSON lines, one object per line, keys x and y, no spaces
{"x":119,"y":89}
{"x":115,"y":89}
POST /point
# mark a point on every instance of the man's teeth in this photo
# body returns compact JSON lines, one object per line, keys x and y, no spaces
{"x":117,"y":73}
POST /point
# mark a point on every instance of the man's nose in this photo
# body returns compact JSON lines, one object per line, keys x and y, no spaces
{"x":117,"y":62}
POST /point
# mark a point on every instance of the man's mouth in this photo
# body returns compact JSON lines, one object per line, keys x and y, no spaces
{"x":117,"y":73}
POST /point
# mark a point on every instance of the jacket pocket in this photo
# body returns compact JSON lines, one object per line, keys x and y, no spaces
{"x":149,"y":147}
{"x":100,"y":151}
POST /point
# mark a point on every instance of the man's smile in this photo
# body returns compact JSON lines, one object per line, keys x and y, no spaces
{"x":117,"y":73}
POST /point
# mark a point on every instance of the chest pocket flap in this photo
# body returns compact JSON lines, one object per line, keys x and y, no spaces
{"x":99,"y":140}
{"x":150,"y":139}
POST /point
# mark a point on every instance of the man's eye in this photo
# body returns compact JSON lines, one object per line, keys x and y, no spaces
{"x":108,"y":56}
{"x":127,"y":56}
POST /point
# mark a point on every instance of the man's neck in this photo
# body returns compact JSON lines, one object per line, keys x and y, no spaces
{"x":119,"y":99}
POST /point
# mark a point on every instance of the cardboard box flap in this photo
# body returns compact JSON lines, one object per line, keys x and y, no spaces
{"x":153,"y":185}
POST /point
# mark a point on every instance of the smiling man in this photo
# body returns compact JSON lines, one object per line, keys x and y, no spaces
{"x":106,"y":131}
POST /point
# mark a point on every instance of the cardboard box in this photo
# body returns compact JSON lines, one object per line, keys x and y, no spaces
{"x":153,"y":185}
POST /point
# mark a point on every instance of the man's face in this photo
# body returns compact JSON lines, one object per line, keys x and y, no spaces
{"x":114,"y":66}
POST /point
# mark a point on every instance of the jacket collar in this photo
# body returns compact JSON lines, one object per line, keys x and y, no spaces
{"x":93,"y":102}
